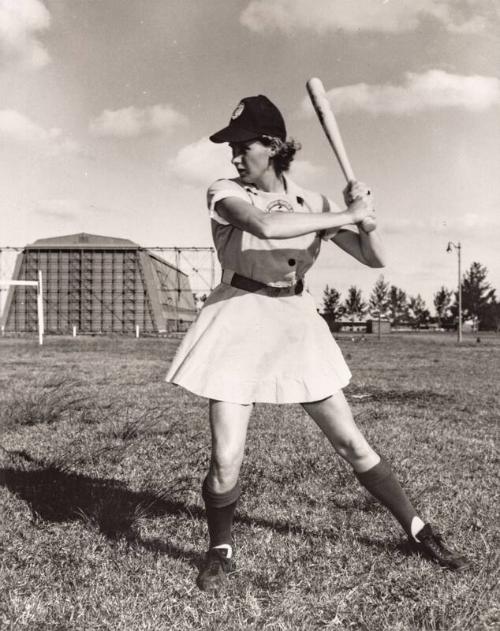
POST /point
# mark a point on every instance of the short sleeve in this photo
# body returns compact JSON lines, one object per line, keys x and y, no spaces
{"x":221,"y":189}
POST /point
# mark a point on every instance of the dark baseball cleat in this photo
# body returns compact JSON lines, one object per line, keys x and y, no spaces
{"x":214,"y":571}
{"x":431,"y":545}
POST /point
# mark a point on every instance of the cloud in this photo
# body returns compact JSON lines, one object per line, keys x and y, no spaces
{"x":66,"y":209}
{"x":130,"y":122}
{"x":305,"y":171}
{"x":19,"y":129}
{"x":202,"y":162}
{"x":434,"y":89}
{"x":476,"y":24}
{"x":20,"y":23}
{"x":393,"y":16}
{"x":477,"y":221}
{"x":58,"y":208}
{"x":466,"y":224}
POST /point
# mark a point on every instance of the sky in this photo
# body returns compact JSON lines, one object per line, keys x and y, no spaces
{"x":106,"y":107}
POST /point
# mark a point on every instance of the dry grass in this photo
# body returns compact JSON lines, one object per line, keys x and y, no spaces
{"x":102,"y":526}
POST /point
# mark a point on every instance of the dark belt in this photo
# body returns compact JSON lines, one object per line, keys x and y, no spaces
{"x":251,"y":285}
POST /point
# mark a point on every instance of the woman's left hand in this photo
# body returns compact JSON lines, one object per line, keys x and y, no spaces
{"x":355,"y":190}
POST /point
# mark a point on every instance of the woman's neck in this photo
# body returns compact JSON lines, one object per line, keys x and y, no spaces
{"x":270,"y":182}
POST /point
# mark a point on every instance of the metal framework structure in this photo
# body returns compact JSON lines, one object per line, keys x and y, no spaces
{"x":38,"y":285}
{"x":105,"y":285}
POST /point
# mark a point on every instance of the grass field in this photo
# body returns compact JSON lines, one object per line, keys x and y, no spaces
{"x":102,"y":526}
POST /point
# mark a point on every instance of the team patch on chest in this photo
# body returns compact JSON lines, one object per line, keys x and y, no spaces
{"x":279,"y":206}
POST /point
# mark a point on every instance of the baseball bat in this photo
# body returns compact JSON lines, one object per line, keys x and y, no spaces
{"x":328,"y":122}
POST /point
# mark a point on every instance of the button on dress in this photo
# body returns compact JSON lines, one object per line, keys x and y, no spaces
{"x":247,"y":347}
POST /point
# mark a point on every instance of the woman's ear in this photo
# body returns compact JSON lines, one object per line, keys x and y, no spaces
{"x":273,"y":148}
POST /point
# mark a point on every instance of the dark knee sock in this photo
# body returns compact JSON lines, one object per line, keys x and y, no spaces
{"x":381,"y":482}
{"x":220,"y":508}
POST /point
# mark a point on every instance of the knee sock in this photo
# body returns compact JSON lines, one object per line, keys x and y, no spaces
{"x":219,"y":509}
{"x":381,"y":482}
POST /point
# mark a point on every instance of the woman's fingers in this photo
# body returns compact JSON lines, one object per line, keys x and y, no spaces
{"x":356,"y":190}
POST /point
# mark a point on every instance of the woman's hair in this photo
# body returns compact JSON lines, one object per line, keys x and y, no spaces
{"x":285,"y":151}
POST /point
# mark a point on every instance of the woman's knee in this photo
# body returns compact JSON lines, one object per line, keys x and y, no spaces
{"x":353,"y":448}
{"x":224,"y":472}
{"x":229,"y":422}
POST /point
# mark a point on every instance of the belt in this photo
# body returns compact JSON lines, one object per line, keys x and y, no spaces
{"x":249,"y":284}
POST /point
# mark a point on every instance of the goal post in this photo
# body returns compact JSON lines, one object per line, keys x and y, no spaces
{"x":38,"y":285}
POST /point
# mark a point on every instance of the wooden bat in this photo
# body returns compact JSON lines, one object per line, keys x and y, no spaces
{"x":328,"y":122}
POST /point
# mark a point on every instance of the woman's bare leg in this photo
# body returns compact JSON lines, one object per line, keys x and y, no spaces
{"x":228,"y":424}
{"x":334,"y":417}
{"x":221,"y":490}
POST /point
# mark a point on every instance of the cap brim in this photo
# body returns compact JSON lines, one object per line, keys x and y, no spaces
{"x":233,"y":134}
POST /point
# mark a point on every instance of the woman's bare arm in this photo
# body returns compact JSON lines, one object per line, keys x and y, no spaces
{"x":366,"y":247}
{"x":278,"y":225}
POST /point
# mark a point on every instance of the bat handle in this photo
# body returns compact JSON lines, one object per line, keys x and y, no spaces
{"x":348,"y":173}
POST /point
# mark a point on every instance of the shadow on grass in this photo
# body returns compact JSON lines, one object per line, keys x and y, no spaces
{"x":403,"y":547}
{"x":57,"y":495}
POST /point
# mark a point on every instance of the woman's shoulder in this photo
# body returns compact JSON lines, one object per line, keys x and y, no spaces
{"x":226,"y":184}
{"x":225,"y":187}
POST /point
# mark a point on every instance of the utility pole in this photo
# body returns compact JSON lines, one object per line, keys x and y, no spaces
{"x":458,"y":248}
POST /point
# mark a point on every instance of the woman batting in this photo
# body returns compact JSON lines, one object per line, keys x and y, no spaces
{"x":259,"y":338}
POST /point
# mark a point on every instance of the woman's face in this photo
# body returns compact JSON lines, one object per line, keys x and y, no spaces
{"x":251,"y":159}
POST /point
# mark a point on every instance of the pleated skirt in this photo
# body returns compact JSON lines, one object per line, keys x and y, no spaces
{"x":247,"y":348}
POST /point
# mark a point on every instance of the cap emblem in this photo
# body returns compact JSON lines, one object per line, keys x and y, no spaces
{"x":238,"y":111}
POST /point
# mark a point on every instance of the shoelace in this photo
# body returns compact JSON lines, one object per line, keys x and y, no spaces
{"x":435,"y":542}
{"x":215,"y":559}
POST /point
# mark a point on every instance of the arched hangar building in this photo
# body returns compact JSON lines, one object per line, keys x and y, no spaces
{"x":98,"y":285}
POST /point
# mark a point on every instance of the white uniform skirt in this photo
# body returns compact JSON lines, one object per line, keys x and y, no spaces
{"x":247,"y":347}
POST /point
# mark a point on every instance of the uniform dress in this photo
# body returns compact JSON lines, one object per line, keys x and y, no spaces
{"x":245,"y":346}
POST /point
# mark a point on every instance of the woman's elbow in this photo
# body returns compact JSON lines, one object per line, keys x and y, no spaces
{"x":260,"y":232}
{"x":258,"y":229}
{"x":263,"y":228}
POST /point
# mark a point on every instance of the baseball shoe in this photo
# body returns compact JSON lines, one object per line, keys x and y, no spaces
{"x":214,"y":571}
{"x":431,"y":545}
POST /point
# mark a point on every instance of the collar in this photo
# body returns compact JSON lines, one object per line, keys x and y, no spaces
{"x":291,"y":189}
{"x":294,"y":190}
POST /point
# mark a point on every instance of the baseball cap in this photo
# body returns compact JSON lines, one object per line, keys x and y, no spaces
{"x":254,"y":116}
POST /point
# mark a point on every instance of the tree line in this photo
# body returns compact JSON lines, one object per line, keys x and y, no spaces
{"x":479,"y":303}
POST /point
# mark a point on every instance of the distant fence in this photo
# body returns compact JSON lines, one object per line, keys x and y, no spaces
{"x":368,"y":326}
{"x":384,"y":326}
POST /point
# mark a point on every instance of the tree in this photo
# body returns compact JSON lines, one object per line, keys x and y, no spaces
{"x":417,"y":311}
{"x":331,"y":303}
{"x":397,"y":304}
{"x":491,"y":318}
{"x":477,"y":294}
{"x":442,"y":303}
{"x":354,"y":304}
{"x":379,"y":298}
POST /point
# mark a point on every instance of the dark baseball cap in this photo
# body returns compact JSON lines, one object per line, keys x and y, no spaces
{"x":254,"y":116}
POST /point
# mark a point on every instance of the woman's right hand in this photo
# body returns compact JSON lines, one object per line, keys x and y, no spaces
{"x":359,"y":210}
